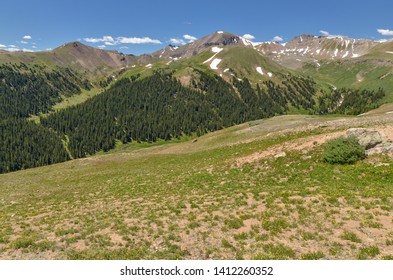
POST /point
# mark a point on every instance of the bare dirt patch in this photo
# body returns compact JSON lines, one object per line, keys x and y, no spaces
{"x":303,"y":144}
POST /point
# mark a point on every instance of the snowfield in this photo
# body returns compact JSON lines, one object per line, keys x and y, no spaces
{"x":215,"y":63}
{"x":216,"y":49}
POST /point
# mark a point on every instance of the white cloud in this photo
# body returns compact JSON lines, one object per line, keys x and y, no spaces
{"x":177,"y":41}
{"x":27,"y":37}
{"x":24,"y":42}
{"x":110,"y":41}
{"x":123,"y":47}
{"x":328,"y":35}
{"x":135,"y":40}
{"x":99,"y":40}
{"x":28,"y":50}
{"x":385,"y":32}
{"x":277,"y":39}
{"x":102,"y":47}
{"x":248,"y":37}
{"x":189,"y":38}
{"x":324,"y":33}
{"x":12,"y":49}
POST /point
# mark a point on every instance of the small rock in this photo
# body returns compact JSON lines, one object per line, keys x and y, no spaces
{"x":381,"y":164}
{"x":323,"y":125}
{"x":280,"y":155}
{"x":195,"y":140}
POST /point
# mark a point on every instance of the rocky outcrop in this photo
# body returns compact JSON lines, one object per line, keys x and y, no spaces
{"x":373,"y":141}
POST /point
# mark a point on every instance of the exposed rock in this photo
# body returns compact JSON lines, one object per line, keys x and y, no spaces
{"x":373,"y":141}
{"x":380,"y":149}
{"x":381,"y":164}
{"x":280,"y":155}
{"x":367,"y":138}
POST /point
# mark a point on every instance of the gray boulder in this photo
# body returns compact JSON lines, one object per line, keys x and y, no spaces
{"x":367,"y":138}
{"x":380,"y":149}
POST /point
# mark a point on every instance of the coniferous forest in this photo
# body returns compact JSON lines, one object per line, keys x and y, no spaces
{"x":25,"y":91}
{"x":142,"y":110}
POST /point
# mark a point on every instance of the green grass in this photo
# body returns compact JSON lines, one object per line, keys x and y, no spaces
{"x":77,"y":98}
{"x":190,"y":200}
{"x":351,"y":236}
{"x":276,"y":252}
{"x":368,"y":252}
{"x":313,"y":256}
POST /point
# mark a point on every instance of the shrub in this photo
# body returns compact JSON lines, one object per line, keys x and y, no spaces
{"x":343,"y":150}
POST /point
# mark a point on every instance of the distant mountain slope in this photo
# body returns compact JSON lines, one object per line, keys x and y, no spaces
{"x":310,"y":48}
{"x":218,"y":39}
{"x":75,"y":55}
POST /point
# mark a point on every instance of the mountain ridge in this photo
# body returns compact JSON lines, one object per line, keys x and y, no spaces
{"x":292,"y":54}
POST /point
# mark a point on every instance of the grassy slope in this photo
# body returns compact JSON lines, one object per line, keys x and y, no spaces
{"x":191,"y":200}
{"x":370,"y":71}
{"x":381,"y":51}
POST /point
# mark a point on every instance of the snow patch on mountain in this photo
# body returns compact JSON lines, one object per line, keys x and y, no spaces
{"x":216,"y":50}
{"x":246,"y":42}
{"x":259,"y":70}
{"x":215,"y":63}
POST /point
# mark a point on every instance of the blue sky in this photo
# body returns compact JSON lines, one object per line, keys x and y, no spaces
{"x":144,"y":26}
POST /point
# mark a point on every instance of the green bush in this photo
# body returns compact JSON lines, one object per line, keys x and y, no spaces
{"x":343,"y":150}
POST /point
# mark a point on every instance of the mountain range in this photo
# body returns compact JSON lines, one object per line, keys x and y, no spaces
{"x":332,"y":60}
{"x":217,"y":81}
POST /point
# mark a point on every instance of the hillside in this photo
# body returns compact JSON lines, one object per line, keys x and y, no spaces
{"x":231,"y":194}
